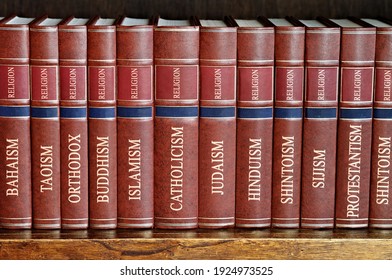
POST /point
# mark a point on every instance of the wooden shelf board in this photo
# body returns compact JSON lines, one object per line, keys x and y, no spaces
{"x":271,"y":244}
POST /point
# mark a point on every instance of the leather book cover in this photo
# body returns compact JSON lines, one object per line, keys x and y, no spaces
{"x":255,"y":60}
{"x":45,"y":123}
{"x":73,"y":123}
{"x":101,"y":62}
{"x":15,"y":147}
{"x":176,"y":124}
{"x":380,"y":212}
{"x":288,"y":117}
{"x":217,"y":147}
{"x":354,"y":124}
{"x":135,"y":123}
{"x":322,"y":50}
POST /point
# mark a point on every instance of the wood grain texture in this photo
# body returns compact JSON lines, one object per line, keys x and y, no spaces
{"x":208,"y":9}
{"x":196,"y":244}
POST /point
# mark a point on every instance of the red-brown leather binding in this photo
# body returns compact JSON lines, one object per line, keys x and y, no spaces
{"x":289,"y":78}
{"x":45,"y":123}
{"x":101,"y":54}
{"x":15,"y":148}
{"x":176,"y":58}
{"x":135,"y":124}
{"x":217,"y":148}
{"x":380,"y":212}
{"x":355,"y":126}
{"x":322,"y":50}
{"x":73,"y":123}
{"x":255,"y":50}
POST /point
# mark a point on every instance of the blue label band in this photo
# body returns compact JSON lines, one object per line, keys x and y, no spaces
{"x":14,"y":111}
{"x":134,"y":112}
{"x":177,"y":112}
{"x":102,"y":112}
{"x":321,"y":113}
{"x":44,"y":112}
{"x":217,"y":112}
{"x":73,"y":113}
{"x":382,"y":113}
{"x":255,"y":113}
{"x":355,"y":113}
{"x":288,"y":113}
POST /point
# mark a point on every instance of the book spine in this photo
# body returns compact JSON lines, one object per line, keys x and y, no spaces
{"x":176,"y":131}
{"x":355,"y":127}
{"x":73,"y":126}
{"x":322,"y":51}
{"x":254,"y":127}
{"x":135,"y":127}
{"x":217,"y":147}
{"x":15,"y":148}
{"x":288,"y":117}
{"x":380,"y":213}
{"x":45,"y":127}
{"x":101,"y":53}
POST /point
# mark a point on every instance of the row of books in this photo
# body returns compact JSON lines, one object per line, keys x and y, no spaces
{"x":136,"y":123}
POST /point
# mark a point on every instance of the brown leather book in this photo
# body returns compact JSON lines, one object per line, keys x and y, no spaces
{"x":354,"y":124}
{"x":101,"y":61}
{"x":45,"y":123}
{"x":217,"y":147}
{"x":288,"y":117}
{"x":135,"y":124}
{"x":322,"y":50}
{"x":176,"y":131}
{"x":15,"y":147}
{"x":255,"y":58}
{"x":73,"y":123}
{"x":380,"y":212}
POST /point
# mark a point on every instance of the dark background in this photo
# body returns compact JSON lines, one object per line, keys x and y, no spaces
{"x":206,"y":9}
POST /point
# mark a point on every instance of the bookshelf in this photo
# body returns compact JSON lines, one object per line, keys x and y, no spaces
{"x":197,"y":244}
{"x":211,"y":9}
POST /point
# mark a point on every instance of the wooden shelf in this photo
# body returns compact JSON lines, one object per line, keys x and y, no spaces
{"x":268,"y":244}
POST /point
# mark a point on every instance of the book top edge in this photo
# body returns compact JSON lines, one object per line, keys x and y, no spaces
{"x":105,"y":21}
{"x":78,"y":21}
{"x":346,"y":23}
{"x":312,"y":23}
{"x":173,"y":23}
{"x":280,"y":22}
{"x":50,"y":22}
{"x":127,"y":21}
{"x":376,"y":22}
{"x":249,"y":23}
{"x":212,"y":23}
{"x":18,"y":20}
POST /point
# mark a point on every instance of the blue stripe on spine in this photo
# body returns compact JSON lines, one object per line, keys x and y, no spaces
{"x":14,"y":111}
{"x":44,"y":112}
{"x":217,"y":112}
{"x":288,"y":113}
{"x":102,"y":112}
{"x":177,"y":112}
{"x":355,"y":113}
{"x":320,"y":113}
{"x":67,"y":112}
{"x":382,"y":113}
{"x":254,"y":113}
{"x":134,"y":112}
